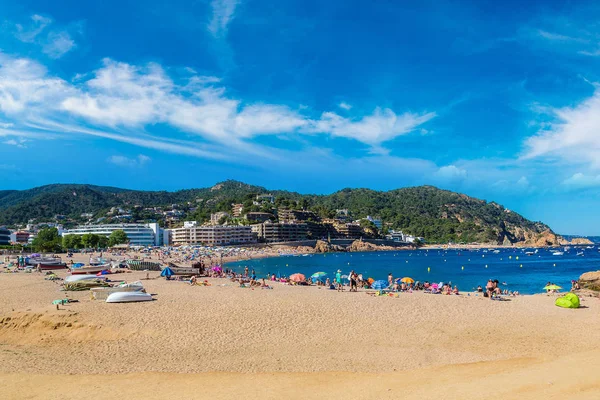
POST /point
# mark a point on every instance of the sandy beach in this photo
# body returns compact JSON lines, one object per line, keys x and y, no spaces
{"x":223,"y":341}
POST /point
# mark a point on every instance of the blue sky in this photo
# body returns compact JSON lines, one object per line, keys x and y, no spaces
{"x":499,"y":101}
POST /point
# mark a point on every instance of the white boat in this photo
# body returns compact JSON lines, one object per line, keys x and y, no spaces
{"x":558,"y":253}
{"x":102,"y":293}
{"x":77,"y":278}
{"x":128,"y":297}
{"x":580,"y":254}
{"x":90,"y":270}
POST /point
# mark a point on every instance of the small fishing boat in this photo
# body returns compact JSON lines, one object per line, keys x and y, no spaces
{"x":102,"y":293}
{"x":90,"y":270}
{"x":50,"y":267}
{"x":77,"y":278}
{"x":580,"y":254}
{"x":128,"y":297}
{"x":558,"y":253}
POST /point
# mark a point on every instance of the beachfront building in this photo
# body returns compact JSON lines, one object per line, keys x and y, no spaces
{"x":213,"y":235}
{"x":20,"y":237}
{"x":287,"y":216}
{"x":4,"y":236}
{"x":280,"y":232}
{"x":138,"y":234}
{"x":236,"y":210}
{"x":349,"y":230}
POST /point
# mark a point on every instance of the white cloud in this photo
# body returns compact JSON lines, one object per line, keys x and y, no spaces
{"x":374,"y":129}
{"x":451,"y":172}
{"x":120,"y":101}
{"x":19,"y":142}
{"x":28,"y":34}
{"x":582,"y":181}
{"x":55,"y":43}
{"x":58,"y":44}
{"x":523,"y":181}
{"x":123,"y":161}
{"x":574,"y":135}
{"x":345,"y":106}
{"x":222,"y":13}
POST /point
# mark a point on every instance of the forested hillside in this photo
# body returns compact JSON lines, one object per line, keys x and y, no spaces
{"x":438,"y":215}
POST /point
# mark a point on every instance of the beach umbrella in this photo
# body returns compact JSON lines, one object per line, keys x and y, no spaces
{"x":318,"y":275}
{"x":552,"y":287}
{"x":167,"y":272}
{"x":406,"y":279}
{"x":297,"y":278}
{"x":435,"y":285}
{"x":378,"y":285}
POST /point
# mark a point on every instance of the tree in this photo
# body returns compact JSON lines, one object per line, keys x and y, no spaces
{"x":48,"y":240}
{"x":90,"y":240}
{"x":102,"y":241}
{"x":72,"y":242}
{"x":117,"y":237}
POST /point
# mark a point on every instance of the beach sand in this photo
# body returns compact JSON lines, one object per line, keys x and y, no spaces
{"x":223,"y":341}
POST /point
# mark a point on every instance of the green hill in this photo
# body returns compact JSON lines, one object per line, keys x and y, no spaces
{"x":437,"y":215}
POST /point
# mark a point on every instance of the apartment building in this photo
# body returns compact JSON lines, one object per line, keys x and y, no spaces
{"x":214,"y":235}
{"x":280,"y":232}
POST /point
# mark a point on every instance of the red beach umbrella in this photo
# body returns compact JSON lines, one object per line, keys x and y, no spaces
{"x":297,"y":278}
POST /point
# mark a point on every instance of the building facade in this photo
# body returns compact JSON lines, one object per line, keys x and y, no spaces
{"x":4,"y":236}
{"x":138,"y":234}
{"x":279,"y":232}
{"x":214,"y":235}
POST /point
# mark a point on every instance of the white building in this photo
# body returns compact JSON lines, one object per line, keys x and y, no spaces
{"x":376,"y":221}
{"x":138,"y":234}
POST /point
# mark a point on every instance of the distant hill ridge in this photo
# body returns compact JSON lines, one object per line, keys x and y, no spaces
{"x":438,"y":215}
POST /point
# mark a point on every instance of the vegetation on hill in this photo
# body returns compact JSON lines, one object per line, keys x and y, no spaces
{"x":437,"y":215}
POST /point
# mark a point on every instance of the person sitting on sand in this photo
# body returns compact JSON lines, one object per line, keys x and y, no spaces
{"x":479,"y":289}
{"x":455,"y":290}
{"x":327,"y":282}
{"x":193,"y":280}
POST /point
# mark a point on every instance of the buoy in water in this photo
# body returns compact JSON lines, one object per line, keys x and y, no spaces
{"x":463,"y":268}
{"x":428,"y":269}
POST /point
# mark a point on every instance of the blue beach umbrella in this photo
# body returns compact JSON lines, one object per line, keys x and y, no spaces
{"x":378,"y":285}
{"x":167,"y":272}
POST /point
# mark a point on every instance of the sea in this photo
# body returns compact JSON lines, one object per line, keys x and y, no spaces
{"x":516,"y":270}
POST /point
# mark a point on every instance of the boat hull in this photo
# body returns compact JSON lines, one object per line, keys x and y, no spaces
{"x":88,"y":270}
{"x":128,"y":297}
{"x":49,"y":267}
{"x":79,"y":278}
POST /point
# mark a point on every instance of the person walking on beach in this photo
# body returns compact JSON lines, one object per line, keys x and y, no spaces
{"x":353,"y":279}
{"x":338,"y":280}
{"x":390,"y":279}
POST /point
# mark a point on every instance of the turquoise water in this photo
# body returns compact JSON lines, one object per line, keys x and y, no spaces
{"x":467,"y":269}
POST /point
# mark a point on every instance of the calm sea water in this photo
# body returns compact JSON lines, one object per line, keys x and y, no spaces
{"x":526,"y":273}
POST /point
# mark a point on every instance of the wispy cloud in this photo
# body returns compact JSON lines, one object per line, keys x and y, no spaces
{"x":345,"y":106}
{"x":58,"y":44}
{"x":572,"y":135}
{"x":119,"y":101}
{"x":223,"y":12}
{"x":29,"y":33}
{"x":18,"y":142}
{"x":123,"y":161}
{"x":55,"y":43}
{"x":581,"y":181}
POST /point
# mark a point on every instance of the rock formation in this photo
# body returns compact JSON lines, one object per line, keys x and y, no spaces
{"x":590,"y":280}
